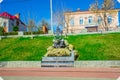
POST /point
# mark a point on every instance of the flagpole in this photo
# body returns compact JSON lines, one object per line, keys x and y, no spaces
{"x":51,"y":16}
{"x":1,"y":4}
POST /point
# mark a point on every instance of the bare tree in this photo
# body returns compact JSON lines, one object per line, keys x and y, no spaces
{"x":58,"y":18}
{"x":61,"y":18}
{"x":103,"y":10}
{"x":67,"y":18}
{"x":31,"y":25}
{"x":44,"y":26}
{"x":31,"y":18}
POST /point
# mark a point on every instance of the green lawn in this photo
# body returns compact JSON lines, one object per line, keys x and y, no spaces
{"x":90,"y":47}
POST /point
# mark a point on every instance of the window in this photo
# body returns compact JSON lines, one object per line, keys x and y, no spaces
{"x":109,"y":19}
{"x":17,"y":23}
{"x":90,"y":19}
{"x":12,"y":24}
{"x":99,"y":20}
{"x":72,"y":22}
{"x":81,"y":21}
{"x":4,"y":24}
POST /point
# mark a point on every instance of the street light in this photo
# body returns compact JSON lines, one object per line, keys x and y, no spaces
{"x":51,"y":16}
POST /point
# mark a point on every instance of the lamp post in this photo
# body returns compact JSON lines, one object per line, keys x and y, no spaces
{"x":51,"y":16}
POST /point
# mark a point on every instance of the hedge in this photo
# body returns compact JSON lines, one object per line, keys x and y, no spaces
{"x":25,"y":33}
{"x":29,"y":33}
{"x":10,"y":33}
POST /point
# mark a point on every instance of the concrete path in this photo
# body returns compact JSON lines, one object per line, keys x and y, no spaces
{"x":50,"y":78}
{"x":72,"y":73}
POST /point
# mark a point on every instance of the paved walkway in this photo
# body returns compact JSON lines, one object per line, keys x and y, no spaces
{"x":112,"y":73}
{"x":50,"y":78}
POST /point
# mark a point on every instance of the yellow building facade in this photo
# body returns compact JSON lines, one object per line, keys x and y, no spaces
{"x":91,"y":21}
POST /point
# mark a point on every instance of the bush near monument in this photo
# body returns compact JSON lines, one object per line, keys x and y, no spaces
{"x":62,"y":52}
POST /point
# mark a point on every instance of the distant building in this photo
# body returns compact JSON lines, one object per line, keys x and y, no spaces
{"x":90,"y":21}
{"x":8,"y":21}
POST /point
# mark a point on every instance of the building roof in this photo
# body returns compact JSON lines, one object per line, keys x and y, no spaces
{"x":7,"y":15}
{"x":88,"y":11}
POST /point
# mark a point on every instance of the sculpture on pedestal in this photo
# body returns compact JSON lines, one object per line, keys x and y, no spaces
{"x":60,"y":54}
{"x":60,"y":47}
{"x":58,"y":42}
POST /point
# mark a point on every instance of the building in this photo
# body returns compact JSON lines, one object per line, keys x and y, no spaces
{"x":90,"y":21}
{"x":8,"y":21}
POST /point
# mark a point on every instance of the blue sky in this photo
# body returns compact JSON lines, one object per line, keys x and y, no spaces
{"x":39,"y":9}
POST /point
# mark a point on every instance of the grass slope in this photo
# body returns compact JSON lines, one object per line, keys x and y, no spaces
{"x":90,"y":47}
{"x":24,"y":48}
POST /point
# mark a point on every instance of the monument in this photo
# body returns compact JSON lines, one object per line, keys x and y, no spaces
{"x":60,"y":54}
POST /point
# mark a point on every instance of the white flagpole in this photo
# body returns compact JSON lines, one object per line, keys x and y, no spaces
{"x":1,"y":1}
{"x":51,"y":15}
{"x":118,"y":1}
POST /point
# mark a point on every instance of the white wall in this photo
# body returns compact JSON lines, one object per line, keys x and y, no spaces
{"x":22,"y":27}
{"x":11,"y":23}
{"x":2,"y":20}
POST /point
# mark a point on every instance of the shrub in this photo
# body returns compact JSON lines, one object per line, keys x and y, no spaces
{"x":29,"y":33}
{"x":15,"y":28}
{"x":39,"y":32}
{"x":11,"y":33}
{"x":25,"y":33}
{"x":1,"y":31}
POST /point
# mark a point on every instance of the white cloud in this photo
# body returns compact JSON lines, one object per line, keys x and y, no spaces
{"x":1,"y":1}
{"x":118,"y":1}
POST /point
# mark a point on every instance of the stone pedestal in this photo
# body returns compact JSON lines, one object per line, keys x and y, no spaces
{"x":67,"y":61}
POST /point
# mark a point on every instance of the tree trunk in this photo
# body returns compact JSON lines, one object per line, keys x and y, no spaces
{"x":67,"y":28}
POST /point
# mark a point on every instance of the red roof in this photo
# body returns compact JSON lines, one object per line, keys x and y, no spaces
{"x":5,"y":14}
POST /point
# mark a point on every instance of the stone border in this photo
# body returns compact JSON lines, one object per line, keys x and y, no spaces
{"x":20,"y":64}
{"x":97,"y":64}
{"x":77,"y":64}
